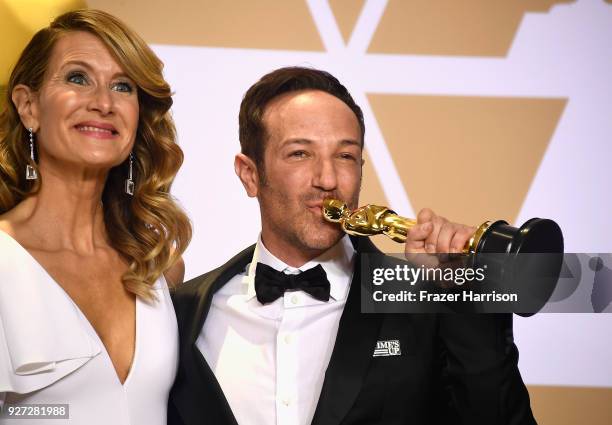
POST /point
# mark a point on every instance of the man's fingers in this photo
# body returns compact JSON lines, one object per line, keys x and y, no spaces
{"x":425,"y":215}
{"x":432,"y":240}
{"x":434,"y":234}
{"x":445,"y":237}
{"x":460,"y":238}
{"x":415,"y":240}
{"x":419,"y":232}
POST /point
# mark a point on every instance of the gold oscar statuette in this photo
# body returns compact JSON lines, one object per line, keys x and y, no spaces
{"x":536,"y":235}
{"x":513,"y":256}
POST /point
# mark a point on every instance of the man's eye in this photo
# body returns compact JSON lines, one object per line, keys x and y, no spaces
{"x":77,"y":78}
{"x":123,"y":86}
{"x":298,"y":154}
{"x":348,"y":156}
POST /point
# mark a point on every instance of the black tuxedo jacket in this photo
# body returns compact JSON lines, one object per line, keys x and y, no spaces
{"x":453,"y":369}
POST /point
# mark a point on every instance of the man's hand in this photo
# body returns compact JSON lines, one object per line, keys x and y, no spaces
{"x":436,"y":235}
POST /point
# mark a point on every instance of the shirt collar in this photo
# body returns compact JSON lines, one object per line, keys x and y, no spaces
{"x":337,"y":262}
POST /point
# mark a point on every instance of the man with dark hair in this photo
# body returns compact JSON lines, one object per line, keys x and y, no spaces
{"x":251,"y":128}
{"x":275,"y":336}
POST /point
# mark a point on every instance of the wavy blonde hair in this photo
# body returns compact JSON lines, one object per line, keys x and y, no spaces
{"x":149,"y":229}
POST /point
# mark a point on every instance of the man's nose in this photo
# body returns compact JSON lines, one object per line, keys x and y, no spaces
{"x":325,"y":177}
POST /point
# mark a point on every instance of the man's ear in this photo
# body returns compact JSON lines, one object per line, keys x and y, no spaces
{"x":246,"y":170}
{"x":25,"y":102}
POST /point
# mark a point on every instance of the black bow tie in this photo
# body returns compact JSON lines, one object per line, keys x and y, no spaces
{"x":270,"y":284}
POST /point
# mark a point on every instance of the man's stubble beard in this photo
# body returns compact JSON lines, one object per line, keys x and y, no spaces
{"x":305,"y":232}
{"x":316,"y":236}
{"x":300,"y":229}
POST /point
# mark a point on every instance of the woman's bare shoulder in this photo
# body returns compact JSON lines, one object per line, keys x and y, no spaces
{"x":15,"y":219}
{"x":6,"y":224}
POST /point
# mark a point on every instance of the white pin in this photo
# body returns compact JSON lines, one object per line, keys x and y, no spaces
{"x":387,"y":348}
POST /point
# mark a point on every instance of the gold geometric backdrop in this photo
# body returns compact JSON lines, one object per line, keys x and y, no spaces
{"x":470,"y":157}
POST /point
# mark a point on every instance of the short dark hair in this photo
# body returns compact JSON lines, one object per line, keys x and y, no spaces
{"x":252,"y":132}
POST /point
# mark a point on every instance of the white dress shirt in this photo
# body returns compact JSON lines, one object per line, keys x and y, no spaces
{"x":270,"y":360}
{"x":50,"y":353}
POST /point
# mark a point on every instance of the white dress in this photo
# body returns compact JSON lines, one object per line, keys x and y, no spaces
{"x":50,"y":353}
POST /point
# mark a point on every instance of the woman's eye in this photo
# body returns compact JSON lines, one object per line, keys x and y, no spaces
{"x":77,"y":78}
{"x":123,"y":86}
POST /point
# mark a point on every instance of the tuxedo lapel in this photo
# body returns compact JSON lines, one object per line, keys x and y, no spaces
{"x":352,"y":353}
{"x":216,"y":279}
{"x":196,"y":394}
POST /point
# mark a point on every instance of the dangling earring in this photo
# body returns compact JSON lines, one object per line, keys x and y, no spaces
{"x":129,"y":183}
{"x":31,"y":173}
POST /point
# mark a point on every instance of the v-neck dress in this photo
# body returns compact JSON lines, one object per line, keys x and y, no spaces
{"x":51,"y":354}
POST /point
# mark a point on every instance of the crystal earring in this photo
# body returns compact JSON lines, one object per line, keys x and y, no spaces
{"x":129,"y":183}
{"x":31,"y":173}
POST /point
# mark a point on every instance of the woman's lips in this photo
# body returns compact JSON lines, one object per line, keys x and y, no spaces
{"x":97,"y":130}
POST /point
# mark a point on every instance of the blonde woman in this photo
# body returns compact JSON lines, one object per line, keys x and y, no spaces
{"x":90,"y":237}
